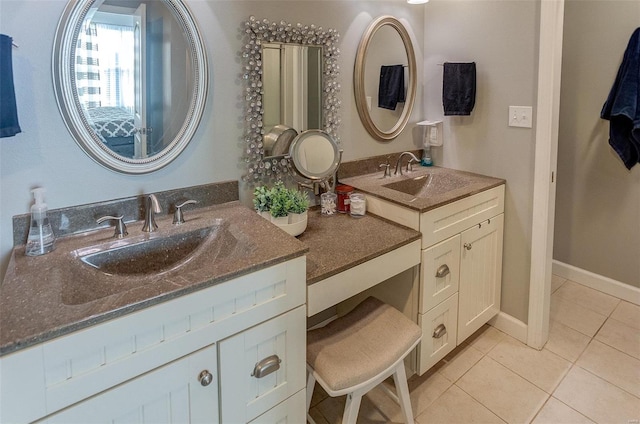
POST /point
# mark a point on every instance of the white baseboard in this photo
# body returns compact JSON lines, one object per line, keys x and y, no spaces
{"x":598,"y":282}
{"x":510,"y":325}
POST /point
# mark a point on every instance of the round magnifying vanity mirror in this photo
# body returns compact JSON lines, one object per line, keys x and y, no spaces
{"x":315,"y":155}
{"x":385,"y":78}
{"x":130,"y":80}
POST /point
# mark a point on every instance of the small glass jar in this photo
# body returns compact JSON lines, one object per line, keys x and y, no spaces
{"x":328,"y":204}
{"x":357,"y":205}
{"x":343,"y":192}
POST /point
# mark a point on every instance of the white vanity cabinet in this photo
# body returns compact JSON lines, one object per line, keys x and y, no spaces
{"x":186,"y":360}
{"x":169,"y":394}
{"x":460,"y":270}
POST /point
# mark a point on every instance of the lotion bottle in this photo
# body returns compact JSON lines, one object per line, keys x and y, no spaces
{"x":41,"y":239}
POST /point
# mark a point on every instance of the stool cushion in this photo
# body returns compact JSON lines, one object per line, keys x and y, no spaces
{"x":361,"y":344}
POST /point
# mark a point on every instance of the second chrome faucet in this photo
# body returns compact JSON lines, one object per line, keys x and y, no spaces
{"x":412,"y":159}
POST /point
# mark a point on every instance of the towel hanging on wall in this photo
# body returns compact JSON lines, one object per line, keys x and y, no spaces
{"x":391,"y":88}
{"x":459,"y":88}
{"x":622,"y":107}
{"x":9,"y":125}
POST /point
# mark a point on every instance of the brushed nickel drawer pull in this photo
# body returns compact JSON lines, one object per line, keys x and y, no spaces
{"x":443,"y":270}
{"x":266,"y":366}
{"x":440,"y":331}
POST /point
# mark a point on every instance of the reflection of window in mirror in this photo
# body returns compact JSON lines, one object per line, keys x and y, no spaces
{"x":105,"y":61}
{"x":105,"y":77}
{"x":133,"y":89}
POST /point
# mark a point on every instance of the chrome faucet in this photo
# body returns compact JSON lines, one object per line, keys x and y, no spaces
{"x":152,"y":207}
{"x":412,"y":159}
{"x":121,"y":228}
{"x":178,"y":217}
{"x":387,"y":169}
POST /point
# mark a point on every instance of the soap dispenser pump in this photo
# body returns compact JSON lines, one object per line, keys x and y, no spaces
{"x":41,"y":239}
{"x":426,"y":153}
{"x":431,"y":136}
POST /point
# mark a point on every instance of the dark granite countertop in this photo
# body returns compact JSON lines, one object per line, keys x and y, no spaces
{"x":446,"y":186}
{"x":52,"y":295}
{"x":40,"y":298}
{"x":339,"y":242}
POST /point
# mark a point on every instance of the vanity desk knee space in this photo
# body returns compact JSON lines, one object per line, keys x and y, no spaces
{"x":460,"y":216}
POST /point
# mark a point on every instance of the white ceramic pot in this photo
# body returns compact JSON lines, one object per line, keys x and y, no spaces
{"x":294,"y":218}
{"x":282,"y":220}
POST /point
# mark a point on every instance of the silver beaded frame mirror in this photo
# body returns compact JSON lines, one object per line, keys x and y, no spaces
{"x":256,"y":33}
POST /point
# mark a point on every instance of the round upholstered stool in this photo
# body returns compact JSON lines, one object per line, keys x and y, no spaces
{"x":356,"y":352}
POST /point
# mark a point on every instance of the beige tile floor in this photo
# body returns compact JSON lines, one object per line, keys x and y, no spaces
{"x":588,"y":372}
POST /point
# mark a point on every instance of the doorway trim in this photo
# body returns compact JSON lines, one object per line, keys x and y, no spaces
{"x":546,"y":152}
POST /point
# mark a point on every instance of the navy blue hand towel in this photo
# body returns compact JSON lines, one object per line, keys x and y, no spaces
{"x":8,"y":111}
{"x":391,"y":88}
{"x":622,"y":107}
{"x":459,"y":88}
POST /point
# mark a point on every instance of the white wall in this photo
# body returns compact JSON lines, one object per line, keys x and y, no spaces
{"x":44,"y":154}
{"x":598,"y":199}
{"x":501,"y":37}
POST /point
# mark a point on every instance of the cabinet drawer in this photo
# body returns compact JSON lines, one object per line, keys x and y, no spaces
{"x":291,"y":410}
{"x":434,"y":347}
{"x":245,"y":395}
{"x":439,"y":272}
{"x":443,"y":222}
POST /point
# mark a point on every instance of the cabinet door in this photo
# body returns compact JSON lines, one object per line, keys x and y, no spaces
{"x":279,"y":346}
{"x":480,"y":275}
{"x":440,"y":272}
{"x":170,"y":394}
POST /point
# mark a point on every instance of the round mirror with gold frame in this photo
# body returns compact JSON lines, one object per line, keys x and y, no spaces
{"x":389,"y":123}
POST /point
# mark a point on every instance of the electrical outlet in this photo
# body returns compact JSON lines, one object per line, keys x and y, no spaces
{"x":521,"y":116}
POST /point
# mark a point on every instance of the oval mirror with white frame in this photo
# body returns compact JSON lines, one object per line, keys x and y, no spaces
{"x":130,"y":79}
{"x":385,"y":43}
{"x":315,"y":155}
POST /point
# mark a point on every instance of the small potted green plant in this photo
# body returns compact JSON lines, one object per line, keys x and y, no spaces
{"x":280,"y":204}
{"x":262,"y":201}
{"x":299,"y":206}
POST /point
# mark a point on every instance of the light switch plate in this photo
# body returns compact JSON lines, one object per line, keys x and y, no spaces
{"x":521,"y":116}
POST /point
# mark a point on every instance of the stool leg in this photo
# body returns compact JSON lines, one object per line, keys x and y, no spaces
{"x":351,"y":409}
{"x":311,"y":384}
{"x":400,"y":380}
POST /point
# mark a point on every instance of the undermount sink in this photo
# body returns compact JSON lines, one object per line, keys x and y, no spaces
{"x":149,"y":256}
{"x":428,"y":184}
{"x":142,"y":260}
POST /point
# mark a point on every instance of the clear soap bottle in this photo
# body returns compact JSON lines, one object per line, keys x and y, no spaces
{"x":41,"y":239}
